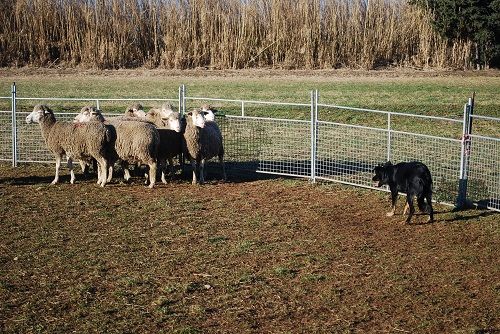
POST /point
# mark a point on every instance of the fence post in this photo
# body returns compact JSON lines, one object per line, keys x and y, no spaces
{"x":183,"y":88}
{"x":464,"y":155}
{"x":180,"y":100}
{"x":242,"y":108}
{"x":314,"y":115}
{"x":97,"y":105}
{"x":389,"y":134}
{"x":14,"y":125}
{"x":182,"y":112}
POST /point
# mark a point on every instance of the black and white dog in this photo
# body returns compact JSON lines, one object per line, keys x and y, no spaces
{"x":412,"y":178}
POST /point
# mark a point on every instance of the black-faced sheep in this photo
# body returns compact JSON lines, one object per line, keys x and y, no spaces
{"x":203,"y":142}
{"x":209,"y":112}
{"x":75,"y":140}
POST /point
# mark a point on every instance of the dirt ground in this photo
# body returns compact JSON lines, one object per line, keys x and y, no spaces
{"x":245,"y":256}
{"x":257,"y":73}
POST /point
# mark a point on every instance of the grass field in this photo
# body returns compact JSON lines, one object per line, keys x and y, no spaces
{"x":253,"y":255}
{"x":436,"y":93}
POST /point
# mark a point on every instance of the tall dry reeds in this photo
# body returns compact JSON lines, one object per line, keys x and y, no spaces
{"x":223,"y":34}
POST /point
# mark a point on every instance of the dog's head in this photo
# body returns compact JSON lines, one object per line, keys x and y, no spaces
{"x":382,"y":173}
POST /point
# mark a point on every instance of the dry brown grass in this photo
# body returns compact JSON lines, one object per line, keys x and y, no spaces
{"x":223,"y":34}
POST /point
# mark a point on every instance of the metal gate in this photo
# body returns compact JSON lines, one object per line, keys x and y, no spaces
{"x":313,"y":140}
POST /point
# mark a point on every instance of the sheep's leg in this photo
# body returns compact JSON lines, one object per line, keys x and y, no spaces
{"x":110,"y":172}
{"x":83,"y":166}
{"x":126,"y":171}
{"x":146,"y":176}
{"x":71,"y":171}
{"x":102,"y":167}
{"x":152,"y":174}
{"x":58,"y":164}
{"x":99,"y":172}
{"x":202,"y":171}
{"x":162,"y":165}
{"x":171,"y":169}
{"x":193,"y":166}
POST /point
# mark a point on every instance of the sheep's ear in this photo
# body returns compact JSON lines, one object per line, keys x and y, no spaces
{"x":204,"y":113}
{"x":190,"y":113}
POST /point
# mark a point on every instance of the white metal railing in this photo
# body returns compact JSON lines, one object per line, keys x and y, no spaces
{"x":313,"y":147}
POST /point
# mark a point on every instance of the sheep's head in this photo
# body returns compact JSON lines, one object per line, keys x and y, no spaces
{"x":209,"y":112}
{"x":167,"y":107}
{"x":135,"y":110}
{"x":89,"y":114}
{"x":196,"y":118}
{"x":172,"y":121}
{"x":39,"y":111}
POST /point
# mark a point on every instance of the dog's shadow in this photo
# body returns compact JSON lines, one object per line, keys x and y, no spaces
{"x":455,"y":219}
{"x":460,"y":217}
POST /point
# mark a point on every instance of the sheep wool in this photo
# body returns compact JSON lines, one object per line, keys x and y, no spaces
{"x":82,"y":141}
{"x":203,"y":143}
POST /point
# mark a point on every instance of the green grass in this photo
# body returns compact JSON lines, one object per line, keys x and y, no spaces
{"x":443,"y":95}
{"x":438,"y":94}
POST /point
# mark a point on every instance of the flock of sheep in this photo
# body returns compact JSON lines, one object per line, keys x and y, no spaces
{"x":137,"y":137}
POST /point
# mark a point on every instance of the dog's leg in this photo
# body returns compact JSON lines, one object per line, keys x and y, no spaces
{"x":409,"y":201}
{"x":421,"y":204}
{"x":405,"y":209}
{"x":429,"y":206}
{"x":394,"y":197}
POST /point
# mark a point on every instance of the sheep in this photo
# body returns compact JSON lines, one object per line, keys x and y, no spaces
{"x":203,"y":141}
{"x":136,"y":142}
{"x":76,"y":141}
{"x":86,"y":111}
{"x":168,"y":123}
{"x":135,"y":110}
{"x":171,"y":142}
{"x":209,"y":112}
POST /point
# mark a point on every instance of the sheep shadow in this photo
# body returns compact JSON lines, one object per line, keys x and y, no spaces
{"x":43,"y":180}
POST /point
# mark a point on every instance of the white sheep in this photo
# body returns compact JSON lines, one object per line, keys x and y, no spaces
{"x":136,"y":142}
{"x":165,"y":117}
{"x":75,"y":140}
{"x":203,"y":141}
{"x":135,"y":110}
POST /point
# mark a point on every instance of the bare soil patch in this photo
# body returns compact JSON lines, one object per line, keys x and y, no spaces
{"x":246,"y":256}
{"x":246,"y":73}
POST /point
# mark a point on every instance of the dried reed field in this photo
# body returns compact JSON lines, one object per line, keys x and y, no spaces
{"x":224,"y":34}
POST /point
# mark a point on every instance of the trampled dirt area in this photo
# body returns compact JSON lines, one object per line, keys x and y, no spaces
{"x":246,"y":256}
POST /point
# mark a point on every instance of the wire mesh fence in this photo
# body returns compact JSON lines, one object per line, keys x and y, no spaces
{"x":348,"y":153}
{"x":483,"y":185}
{"x":441,"y":155}
{"x":311,"y":140}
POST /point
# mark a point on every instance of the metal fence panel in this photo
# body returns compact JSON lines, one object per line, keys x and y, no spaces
{"x":441,"y":155}
{"x":348,"y":154}
{"x":483,"y":186}
{"x":30,"y":143}
{"x":267,"y":145}
{"x":5,"y":135}
{"x":346,"y":147}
